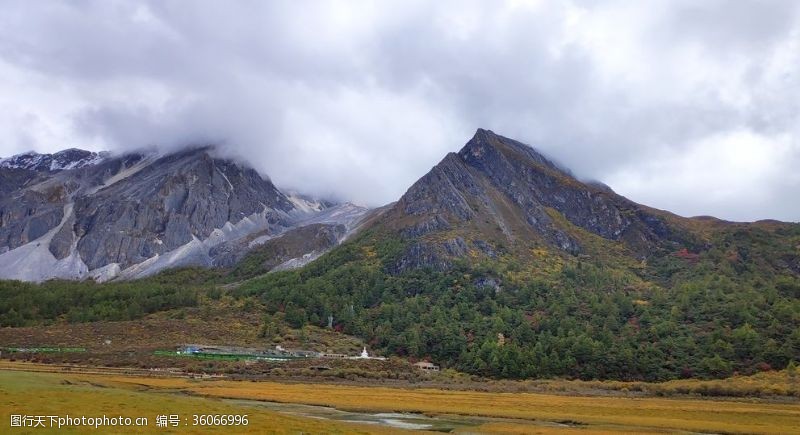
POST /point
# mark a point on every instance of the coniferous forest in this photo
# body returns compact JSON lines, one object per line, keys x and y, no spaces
{"x":709,"y":315}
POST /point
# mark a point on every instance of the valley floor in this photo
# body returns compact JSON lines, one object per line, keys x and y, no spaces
{"x":276,"y":407}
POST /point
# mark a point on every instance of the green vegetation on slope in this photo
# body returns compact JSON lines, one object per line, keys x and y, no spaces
{"x":28,"y":304}
{"x":731,"y":308}
{"x":585,"y":320}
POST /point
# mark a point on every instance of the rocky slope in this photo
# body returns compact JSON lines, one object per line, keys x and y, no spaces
{"x":67,"y":159}
{"x":497,"y":195}
{"x":77,"y":214}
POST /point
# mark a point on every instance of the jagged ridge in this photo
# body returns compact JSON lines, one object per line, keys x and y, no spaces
{"x":497,"y":192}
{"x":130,"y":216}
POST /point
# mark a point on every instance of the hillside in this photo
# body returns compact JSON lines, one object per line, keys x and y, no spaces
{"x":500,"y":263}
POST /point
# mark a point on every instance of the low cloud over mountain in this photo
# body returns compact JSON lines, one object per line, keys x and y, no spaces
{"x":659,"y":100}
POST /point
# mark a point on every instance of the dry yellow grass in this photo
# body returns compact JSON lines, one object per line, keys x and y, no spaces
{"x":527,"y":429}
{"x":509,"y":413}
{"x":653,"y":413}
{"x":62,"y":394}
{"x":782,"y":383}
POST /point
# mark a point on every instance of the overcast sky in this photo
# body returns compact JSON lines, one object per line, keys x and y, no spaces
{"x":690,"y":106}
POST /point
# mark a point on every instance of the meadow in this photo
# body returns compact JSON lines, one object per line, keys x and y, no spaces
{"x":32,"y":393}
{"x":485,"y":412}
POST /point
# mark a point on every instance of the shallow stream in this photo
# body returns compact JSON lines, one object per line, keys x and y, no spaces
{"x":414,"y":421}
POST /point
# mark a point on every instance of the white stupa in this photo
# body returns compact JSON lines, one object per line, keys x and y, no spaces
{"x":364,"y":353}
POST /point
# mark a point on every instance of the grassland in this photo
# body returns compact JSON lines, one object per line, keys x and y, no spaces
{"x":636,"y":413}
{"x":61,"y":393}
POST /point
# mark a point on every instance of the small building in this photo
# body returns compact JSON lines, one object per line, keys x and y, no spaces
{"x":300,"y":353}
{"x":189,"y":349}
{"x":334,"y":355}
{"x":427,"y":366}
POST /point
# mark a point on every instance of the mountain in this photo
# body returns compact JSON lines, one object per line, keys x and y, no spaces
{"x":501,"y":263}
{"x":498,"y":262}
{"x":497,"y":195}
{"x":77,"y":214}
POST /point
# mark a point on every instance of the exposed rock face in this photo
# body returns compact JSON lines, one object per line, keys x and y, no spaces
{"x":167,"y":204}
{"x":503,"y":191}
{"x":67,"y":159}
{"x":77,"y":214}
{"x":26,"y":215}
{"x":311,"y":237}
{"x":296,"y":246}
{"x":133,"y":215}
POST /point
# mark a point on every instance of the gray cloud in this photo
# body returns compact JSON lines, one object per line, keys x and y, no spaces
{"x":688,"y":106}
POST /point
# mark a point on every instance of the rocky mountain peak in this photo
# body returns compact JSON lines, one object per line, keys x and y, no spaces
{"x":497,"y":192}
{"x":72,"y":158}
{"x":486,"y":146}
{"x":132,"y":215}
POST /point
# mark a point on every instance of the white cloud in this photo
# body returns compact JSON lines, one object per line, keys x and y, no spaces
{"x":737,"y":167}
{"x":359,"y":101}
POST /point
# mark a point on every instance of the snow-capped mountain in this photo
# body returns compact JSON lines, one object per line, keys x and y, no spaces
{"x":72,"y":158}
{"x":77,"y":214}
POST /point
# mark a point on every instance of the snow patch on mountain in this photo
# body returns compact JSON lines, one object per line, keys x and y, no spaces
{"x":28,"y":160}
{"x":72,"y":158}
